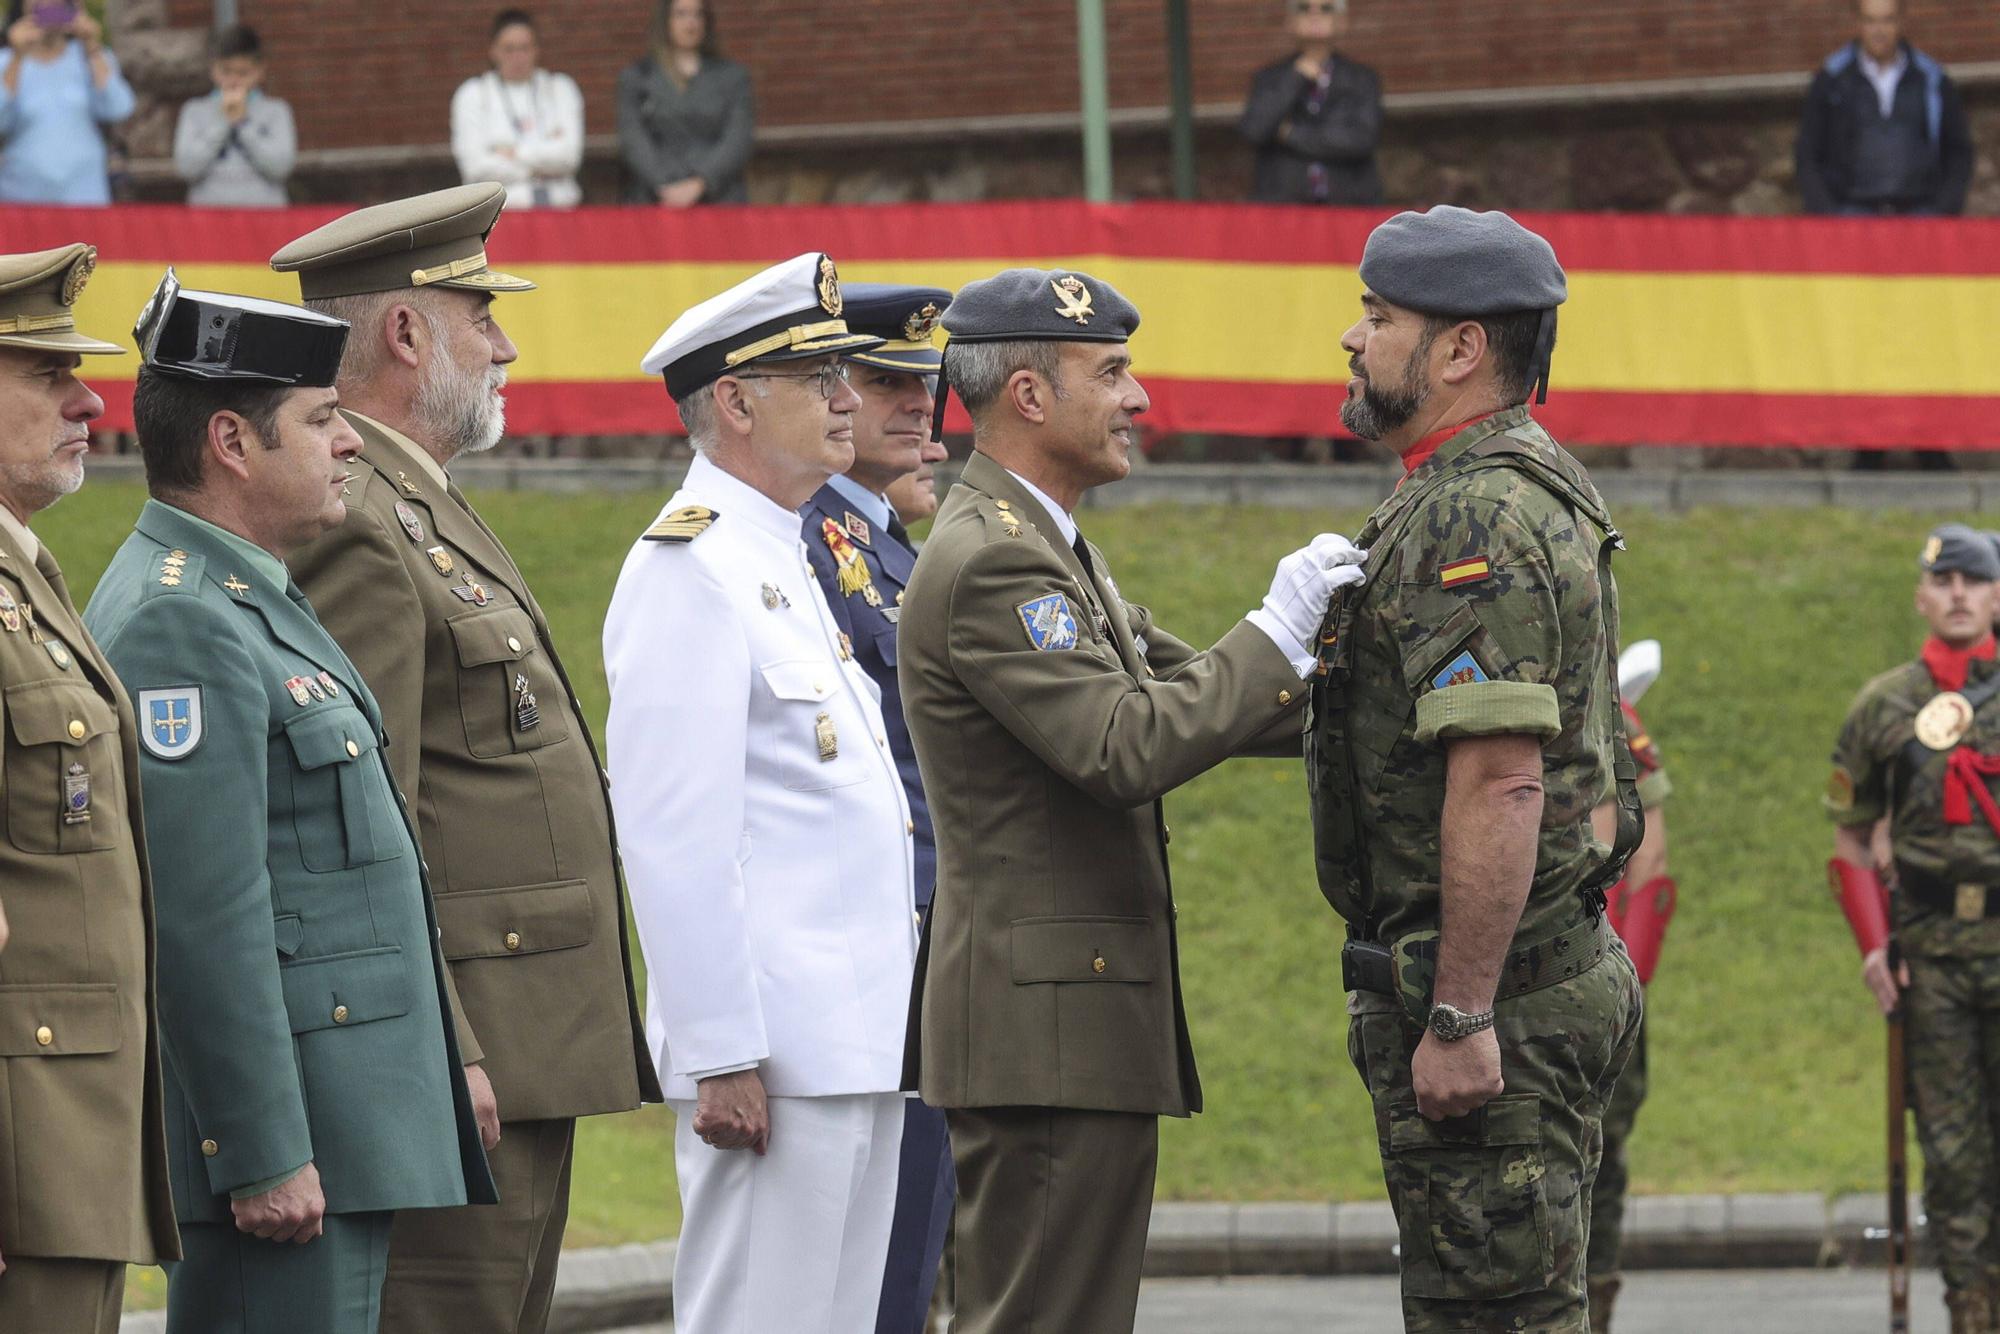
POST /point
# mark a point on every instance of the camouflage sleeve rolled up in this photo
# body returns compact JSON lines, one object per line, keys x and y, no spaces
{"x":1857,"y":791}
{"x":1480,"y":603}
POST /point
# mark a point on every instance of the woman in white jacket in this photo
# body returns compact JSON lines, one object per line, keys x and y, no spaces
{"x":519,"y":125}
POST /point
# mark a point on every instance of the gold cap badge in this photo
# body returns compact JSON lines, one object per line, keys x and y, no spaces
{"x":922,"y":324}
{"x":1072,"y":299}
{"x":829,"y":286}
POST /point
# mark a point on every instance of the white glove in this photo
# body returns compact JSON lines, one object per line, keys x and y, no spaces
{"x":1304,"y":584}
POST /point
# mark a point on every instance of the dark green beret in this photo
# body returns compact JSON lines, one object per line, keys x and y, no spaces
{"x":1453,"y":261}
{"x":1030,"y":304}
{"x":1953,"y":546}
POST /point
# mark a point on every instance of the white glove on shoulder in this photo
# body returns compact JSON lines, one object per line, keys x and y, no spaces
{"x":1303,"y":585}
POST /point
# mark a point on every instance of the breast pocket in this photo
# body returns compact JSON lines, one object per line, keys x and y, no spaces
{"x":508,"y":694}
{"x":816,"y":754}
{"x":342,"y":809}
{"x":63,"y":763}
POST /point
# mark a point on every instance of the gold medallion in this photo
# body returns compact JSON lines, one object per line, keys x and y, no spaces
{"x":829,"y":287}
{"x":823,"y":733}
{"x":79,"y":273}
{"x":441,"y":561}
{"x":1943,"y":722}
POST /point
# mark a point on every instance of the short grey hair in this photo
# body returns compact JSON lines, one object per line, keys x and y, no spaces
{"x":979,"y":372}
{"x":698,"y":413}
{"x":365,"y":352}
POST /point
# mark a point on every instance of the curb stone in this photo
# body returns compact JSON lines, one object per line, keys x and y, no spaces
{"x":618,"y":1287}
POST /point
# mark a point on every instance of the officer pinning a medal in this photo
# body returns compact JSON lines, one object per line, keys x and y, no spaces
{"x":81,"y":1122}
{"x":1921,"y":746}
{"x":765,"y":829}
{"x":491,"y":747}
{"x":313,"y":1085}
{"x":862,"y":557}
{"x":1049,"y":717}
{"x":1465,"y":724}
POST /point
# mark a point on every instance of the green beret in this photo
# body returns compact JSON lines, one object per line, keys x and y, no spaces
{"x":1953,"y":546}
{"x":1453,"y":261}
{"x":1036,"y":304}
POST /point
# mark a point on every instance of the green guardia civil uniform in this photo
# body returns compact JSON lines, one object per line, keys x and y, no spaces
{"x":302,"y":998}
{"x":507,"y":790}
{"x":1489,"y":611}
{"x":83,"y":1165}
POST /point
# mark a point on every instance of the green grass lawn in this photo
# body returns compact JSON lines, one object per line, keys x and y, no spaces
{"x":1766,"y":1056}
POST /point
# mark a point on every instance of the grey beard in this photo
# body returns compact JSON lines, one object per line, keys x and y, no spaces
{"x":462,"y":412}
{"x":1375,"y":412}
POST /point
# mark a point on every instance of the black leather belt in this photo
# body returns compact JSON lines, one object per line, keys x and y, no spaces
{"x":1968,"y":901}
{"x":1368,"y":966}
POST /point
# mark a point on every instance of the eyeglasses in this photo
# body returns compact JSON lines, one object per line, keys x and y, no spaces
{"x":830,"y":376}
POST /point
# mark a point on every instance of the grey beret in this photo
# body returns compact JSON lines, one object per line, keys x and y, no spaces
{"x":1453,"y":261}
{"x":1032,"y":304}
{"x":1953,"y":546}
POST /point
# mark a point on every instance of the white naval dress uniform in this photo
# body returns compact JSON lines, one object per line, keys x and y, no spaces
{"x":767,"y":845}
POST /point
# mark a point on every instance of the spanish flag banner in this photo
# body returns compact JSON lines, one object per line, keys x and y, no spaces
{"x":1679,"y":330}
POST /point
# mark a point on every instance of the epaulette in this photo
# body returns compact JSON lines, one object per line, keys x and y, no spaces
{"x":175,"y":571}
{"x":683,"y":525}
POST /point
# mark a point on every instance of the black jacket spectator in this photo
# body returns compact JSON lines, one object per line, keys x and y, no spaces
{"x":1853,"y":159}
{"x":1315,"y":140}
{"x":669,"y":132}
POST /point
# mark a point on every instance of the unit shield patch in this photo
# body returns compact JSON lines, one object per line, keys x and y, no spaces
{"x":1050,"y":623}
{"x":1463,"y":670}
{"x":170,"y":721}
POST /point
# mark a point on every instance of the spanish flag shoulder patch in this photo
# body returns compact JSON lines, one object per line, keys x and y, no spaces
{"x":683,"y":525}
{"x":1468,"y":571}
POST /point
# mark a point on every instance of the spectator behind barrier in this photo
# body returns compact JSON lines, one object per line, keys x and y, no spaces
{"x":1316,"y":117}
{"x":685,"y":114}
{"x":58,"y":84}
{"x":517,"y":124}
{"x":235,"y":146}
{"x":1884,"y":131}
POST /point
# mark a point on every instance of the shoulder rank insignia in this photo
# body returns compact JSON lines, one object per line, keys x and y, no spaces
{"x":856,"y":526}
{"x":1049,"y":621}
{"x":1463,"y":670}
{"x":412,"y":526}
{"x":1469,"y":571}
{"x":1008,"y":517}
{"x":170,"y":721}
{"x":683,"y":525}
{"x":851,"y":571}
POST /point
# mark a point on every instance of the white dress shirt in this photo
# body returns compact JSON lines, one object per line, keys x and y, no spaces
{"x":766,"y":839}
{"x":527,"y":136}
{"x":1885,"y":78}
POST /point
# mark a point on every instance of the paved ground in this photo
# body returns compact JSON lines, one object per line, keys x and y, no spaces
{"x":1791,"y":1301}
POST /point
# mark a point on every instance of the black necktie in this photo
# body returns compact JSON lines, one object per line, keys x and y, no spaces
{"x":897,"y":531}
{"x":1082,"y":550}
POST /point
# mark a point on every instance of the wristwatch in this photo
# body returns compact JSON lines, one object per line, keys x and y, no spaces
{"x":1449,"y":1023}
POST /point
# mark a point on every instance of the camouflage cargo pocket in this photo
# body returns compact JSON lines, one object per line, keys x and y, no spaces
{"x":1472,"y":1201}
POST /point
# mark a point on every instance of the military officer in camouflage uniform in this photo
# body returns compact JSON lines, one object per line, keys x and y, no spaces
{"x":83,"y":1162}
{"x":314,"y":1085}
{"x":1465,"y":725}
{"x":1921,"y":745}
{"x":1050,"y":716}
{"x":499,"y":763}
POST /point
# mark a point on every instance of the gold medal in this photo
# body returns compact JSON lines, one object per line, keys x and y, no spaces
{"x":1943,"y":722}
{"x":824,"y":735}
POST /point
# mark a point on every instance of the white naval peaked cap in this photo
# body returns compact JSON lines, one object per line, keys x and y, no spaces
{"x":790,"y":310}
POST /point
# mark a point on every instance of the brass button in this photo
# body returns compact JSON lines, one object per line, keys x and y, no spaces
{"x":513,"y":644}
{"x":1166,"y":832}
{"x":909,"y":826}
{"x":44,"y":1035}
{"x":819,"y":687}
{"x":1284,"y":697}
{"x":353,"y":749}
{"x":209,"y":1148}
{"x":76,"y":729}
{"x":340,"y":1014}
{"x":513,"y":941}
{"x":1097,"y":964}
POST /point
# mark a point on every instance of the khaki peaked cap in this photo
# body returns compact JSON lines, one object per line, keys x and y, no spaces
{"x":432,"y":240}
{"x":37,"y":294}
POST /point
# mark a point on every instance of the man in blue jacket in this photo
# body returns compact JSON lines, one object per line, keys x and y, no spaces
{"x":862,"y":557}
{"x":1884,"y":131}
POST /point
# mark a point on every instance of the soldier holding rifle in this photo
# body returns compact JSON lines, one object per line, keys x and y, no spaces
{"x":1920,"y":746}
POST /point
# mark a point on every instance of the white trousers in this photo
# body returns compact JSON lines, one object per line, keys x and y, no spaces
{"x":796,"y":1240}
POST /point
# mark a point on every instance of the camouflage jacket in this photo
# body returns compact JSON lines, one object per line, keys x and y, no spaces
{"x":1486,"y":614}
{"x":1873,"y":777}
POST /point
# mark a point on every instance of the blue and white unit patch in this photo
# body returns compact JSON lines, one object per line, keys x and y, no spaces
{"x":1050,"y":623}
{"x":1463,"y":670}
{"x":170,"y":721}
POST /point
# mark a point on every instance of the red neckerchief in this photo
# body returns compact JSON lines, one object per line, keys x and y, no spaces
{"x":1966,"y":772}
{"x":1418,"y":454}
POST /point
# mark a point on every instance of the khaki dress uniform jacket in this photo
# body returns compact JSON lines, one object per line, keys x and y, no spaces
{"x":83,"y":1158}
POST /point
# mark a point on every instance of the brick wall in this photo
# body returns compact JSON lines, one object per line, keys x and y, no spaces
{"x":363,"y":72}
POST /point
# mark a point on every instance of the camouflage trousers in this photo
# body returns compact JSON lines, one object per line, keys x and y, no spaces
{"x":1953,"y":1038}
{"x":1607,"y":1197}
{"x":1493,"y":1209}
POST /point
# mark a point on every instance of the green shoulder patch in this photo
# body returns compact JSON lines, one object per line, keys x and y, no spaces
{"x":683,"y":525}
